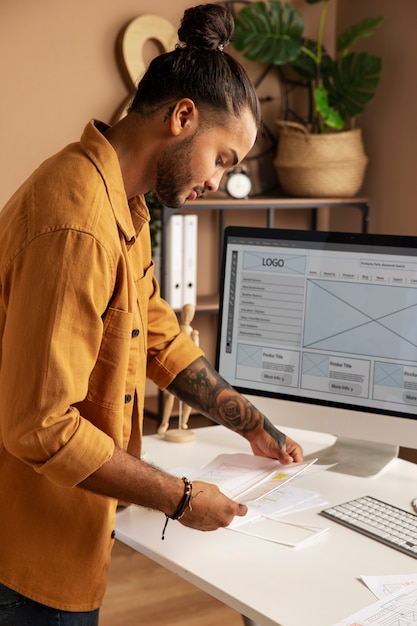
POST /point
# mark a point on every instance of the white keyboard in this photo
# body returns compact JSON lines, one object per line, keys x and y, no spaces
{"x":378,"y":520}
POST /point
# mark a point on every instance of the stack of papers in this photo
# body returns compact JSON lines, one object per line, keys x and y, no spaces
{"x":247,"y":478}
{"x":262,"y":484}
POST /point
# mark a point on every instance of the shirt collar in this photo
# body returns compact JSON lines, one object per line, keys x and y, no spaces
{"x":130,"y":216}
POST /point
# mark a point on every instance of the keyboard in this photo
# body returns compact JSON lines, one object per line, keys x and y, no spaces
{"x":378,"y":520}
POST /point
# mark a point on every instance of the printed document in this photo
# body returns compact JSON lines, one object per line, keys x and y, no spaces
{"x":262,"y":484}
{"x":246,"y":477}
{"x":396,"y":609}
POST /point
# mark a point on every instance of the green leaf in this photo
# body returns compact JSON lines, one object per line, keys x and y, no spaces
{"x":270,"y":33}
{"x":351,"y":83}
{"x":306,"y":64}
{"x":350,"y":36}
{"x":329,"y":115}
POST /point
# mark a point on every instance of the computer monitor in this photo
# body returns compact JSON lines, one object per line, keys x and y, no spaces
{"x":319,"y":330}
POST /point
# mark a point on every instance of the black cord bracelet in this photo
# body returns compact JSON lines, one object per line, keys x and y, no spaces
{"x":185,"y":502}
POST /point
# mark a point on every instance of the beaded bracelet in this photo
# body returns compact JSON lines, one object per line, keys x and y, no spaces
{"x":185,"y":502}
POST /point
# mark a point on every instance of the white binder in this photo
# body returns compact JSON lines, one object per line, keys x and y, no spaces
{"x":190,"y":230}
{"x":174,"y":262}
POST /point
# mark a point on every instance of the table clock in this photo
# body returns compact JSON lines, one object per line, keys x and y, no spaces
{"x":238,"y":182}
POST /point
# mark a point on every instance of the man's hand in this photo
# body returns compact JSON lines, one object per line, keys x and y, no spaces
{"x":210,"y":509}
{"x":290,"y":452}
{"x":270,"y":442}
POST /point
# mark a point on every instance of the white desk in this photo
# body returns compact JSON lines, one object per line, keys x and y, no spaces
{"x":314,"y":585}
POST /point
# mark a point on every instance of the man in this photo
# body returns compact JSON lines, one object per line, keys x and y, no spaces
{"x":82,"y":325}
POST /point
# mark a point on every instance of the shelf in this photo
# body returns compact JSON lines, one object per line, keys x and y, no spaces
{"x":272,"y":203}
{"x":205,"y":304}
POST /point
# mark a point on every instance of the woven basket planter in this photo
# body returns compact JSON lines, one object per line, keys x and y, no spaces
{"x":319,"y":166}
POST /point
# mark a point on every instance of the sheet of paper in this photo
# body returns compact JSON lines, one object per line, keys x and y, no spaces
{"x":281,"y":531}
{"x":287,"y":499}
{"x":382,"y":586}
{"x":396,"y":609}
{"x":280,"y":478}
{"x":246,"y":477}
{"x":264,"y":517}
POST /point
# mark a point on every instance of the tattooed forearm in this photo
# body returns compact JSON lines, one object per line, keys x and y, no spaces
{"x":202,"y":388}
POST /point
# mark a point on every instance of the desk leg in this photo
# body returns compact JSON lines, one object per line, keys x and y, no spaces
{"x":248,"y":622}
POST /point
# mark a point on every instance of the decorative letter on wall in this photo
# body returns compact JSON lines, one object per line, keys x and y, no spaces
{"x":130,"y":48}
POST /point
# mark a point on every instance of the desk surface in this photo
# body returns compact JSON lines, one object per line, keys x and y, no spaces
{"x":312,"y":585}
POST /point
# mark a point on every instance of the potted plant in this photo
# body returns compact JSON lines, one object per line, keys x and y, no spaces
{"x":340,"y":87}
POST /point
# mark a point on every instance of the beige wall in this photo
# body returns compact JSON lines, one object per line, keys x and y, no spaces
{"x":58,"y":69}
{"x":390,"y":122}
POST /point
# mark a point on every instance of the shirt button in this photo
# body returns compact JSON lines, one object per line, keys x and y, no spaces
{"x":135,"y":332}
{"x":128,"y":398}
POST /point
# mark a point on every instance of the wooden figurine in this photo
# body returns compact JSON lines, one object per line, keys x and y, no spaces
{"x":182,"y":433}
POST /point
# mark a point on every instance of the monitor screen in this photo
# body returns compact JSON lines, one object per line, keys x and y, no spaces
{"x":325,"y":323}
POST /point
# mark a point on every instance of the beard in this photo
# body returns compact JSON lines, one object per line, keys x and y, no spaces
{"x":173,"y":174}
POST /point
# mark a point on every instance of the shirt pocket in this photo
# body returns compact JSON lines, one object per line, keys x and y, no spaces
{"x":107,"y":382}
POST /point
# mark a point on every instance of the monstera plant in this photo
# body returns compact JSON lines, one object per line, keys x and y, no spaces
{"x":325,"y":156}
{"x":342,"y":86}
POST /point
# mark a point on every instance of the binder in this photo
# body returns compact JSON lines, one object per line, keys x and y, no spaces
{"x":174,"y":262}
{"x":190,"y":233}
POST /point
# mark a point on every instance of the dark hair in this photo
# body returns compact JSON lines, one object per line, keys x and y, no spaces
{"x":199,"y":69}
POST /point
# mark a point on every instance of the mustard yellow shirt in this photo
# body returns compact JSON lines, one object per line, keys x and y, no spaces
{"x":82,"y":324}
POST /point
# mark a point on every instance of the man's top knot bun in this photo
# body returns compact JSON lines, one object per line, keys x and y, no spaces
{"x":207,"y":26}
{"x":198,"y":69}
